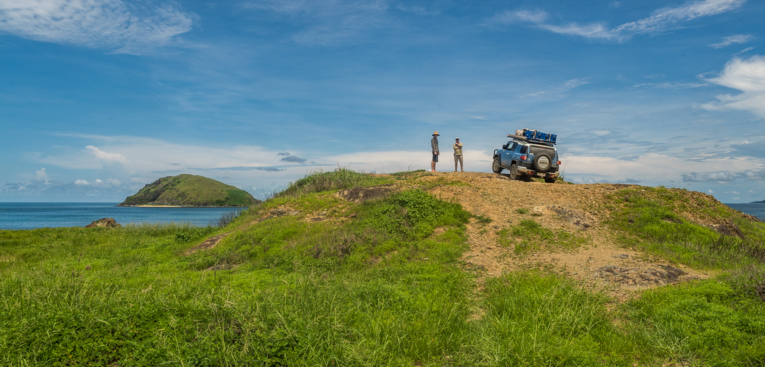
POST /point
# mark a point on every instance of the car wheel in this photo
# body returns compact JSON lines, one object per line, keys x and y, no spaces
{"x":542,"y":163}
{"x":514,"y":172}
{"x":495,"y":166}
{"x":551,"y":180}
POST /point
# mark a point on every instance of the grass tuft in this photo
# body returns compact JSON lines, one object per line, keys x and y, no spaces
{"x":338,"y":179}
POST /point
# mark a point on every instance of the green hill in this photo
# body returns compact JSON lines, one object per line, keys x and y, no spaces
{"x":408,"y":269}
{"x":190,"y":190}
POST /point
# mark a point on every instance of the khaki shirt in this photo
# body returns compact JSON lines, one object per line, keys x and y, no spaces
{"x":457,"y":148}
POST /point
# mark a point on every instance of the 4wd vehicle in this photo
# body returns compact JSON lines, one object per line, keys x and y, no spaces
{"x":531,"y":154}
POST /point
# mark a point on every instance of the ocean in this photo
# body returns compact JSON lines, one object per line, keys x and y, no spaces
{"x":41,"y":215}
{"x":757,"y":210}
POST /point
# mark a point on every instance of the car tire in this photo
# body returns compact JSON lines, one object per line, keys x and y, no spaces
{"x":514,"y":172}
{"x":495,"y":166}
{"x":551,"y":180}
{"x":542,"y":163}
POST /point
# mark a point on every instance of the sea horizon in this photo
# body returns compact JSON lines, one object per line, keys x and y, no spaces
{"x":35,"y":215}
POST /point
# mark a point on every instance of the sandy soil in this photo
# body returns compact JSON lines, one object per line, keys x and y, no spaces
{"x":601,"y":264}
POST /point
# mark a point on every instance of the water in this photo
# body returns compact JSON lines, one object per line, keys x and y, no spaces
{"x":40,"y":215}
{"x":758,"y":210}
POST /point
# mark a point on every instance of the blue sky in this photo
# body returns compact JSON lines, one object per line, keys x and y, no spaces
{"x":99,"y":97}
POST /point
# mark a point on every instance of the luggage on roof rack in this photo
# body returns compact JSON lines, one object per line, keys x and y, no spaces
{"x":534,"y":136}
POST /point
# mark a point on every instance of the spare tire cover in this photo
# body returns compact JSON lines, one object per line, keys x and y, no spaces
{"x":542,"y":162}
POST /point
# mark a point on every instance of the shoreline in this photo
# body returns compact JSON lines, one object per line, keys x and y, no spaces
{"x":179,"y":206}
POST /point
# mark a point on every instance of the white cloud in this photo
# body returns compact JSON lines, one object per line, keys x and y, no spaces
{"x":113,"y":24}
{"x":710,"y":191}
{"x":114,"y":181}
{"x":743,"y":51}
{"x":730,"y":40}
{"x":81,"y":182}
{"x":748,"y":76}
{"x":671,"y":85}
{"x":660,"y":21}
{"x":98,"y":181}
{"x":106,"y":157}
{"x":520,"y":16}
{"x":402,"y":160}
{"x":672,"y":168}
{"x":559,"y":89}
{"x":328,"y":22}
{"x":41,"y":175}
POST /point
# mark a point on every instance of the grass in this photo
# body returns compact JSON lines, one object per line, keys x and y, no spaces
{"x":374,"y":285}
{"x":702,"y":323}
{"x":190,"y":190}
{"x":536,"y":319}
{"x":651,"y":221}
{"x":338,"y":179}
{"x":529,"y":236}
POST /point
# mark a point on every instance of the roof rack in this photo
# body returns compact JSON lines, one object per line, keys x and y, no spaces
{"x":535,"y":141}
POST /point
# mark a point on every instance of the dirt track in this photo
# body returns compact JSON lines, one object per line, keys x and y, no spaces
{"x":600,"y":264}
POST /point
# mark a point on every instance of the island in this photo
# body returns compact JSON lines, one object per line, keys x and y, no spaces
{"x":189,"y":191}
{"x":759,"y":202}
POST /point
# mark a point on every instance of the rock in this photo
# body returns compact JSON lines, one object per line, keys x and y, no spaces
{"x":104,"y":222}
{"x":728,"y":228}
{"x":362,"y":194}
{"x":576,"y":217}
{"x":220,"y":267}
{"x":664,"y":274}
{"x":621,"y":256}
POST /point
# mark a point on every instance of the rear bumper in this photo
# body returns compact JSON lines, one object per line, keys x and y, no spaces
{"x":532,"y":173}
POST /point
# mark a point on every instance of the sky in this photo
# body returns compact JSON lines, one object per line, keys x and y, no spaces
{"x":100,"y":97}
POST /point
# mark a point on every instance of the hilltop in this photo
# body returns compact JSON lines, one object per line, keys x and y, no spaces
{"x":190,"y":191}
{"x":406,"y":269}
{"x":759,"y":202}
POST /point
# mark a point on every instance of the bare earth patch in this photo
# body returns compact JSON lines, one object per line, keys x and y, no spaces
{"x":598,"y":264}
{"x":207,"y":244}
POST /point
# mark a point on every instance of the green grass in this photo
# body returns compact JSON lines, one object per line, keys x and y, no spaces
{"x":702,"y":323}
{"x":190,"y":190}
{"x":376,"y":285}
{"x":529,"y":236}
{"x":533,"y":319}
{"x":338,"y":179}
{"x":652,"y":222}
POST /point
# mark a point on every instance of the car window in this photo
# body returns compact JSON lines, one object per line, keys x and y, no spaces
{"x":511,"y":145}
{"x":524,"y":149}
{"x":550,"y":152}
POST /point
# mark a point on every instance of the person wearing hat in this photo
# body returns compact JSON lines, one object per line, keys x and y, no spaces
{"x":436,"y":152}
{"x":458,"y":155}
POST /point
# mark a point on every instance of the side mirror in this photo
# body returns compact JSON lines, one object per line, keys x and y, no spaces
{"x":504,"y":146}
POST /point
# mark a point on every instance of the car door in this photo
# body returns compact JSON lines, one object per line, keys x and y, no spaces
{"x":507,"y":156}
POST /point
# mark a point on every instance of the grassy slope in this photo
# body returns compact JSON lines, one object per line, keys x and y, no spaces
{"x":378,"y":288}
{"x":190,"y":190}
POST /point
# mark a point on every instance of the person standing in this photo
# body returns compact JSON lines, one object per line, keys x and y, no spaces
{"x":436,"y":152}
{"x":458,"y":155}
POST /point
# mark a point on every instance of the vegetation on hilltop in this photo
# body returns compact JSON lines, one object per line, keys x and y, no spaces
{"x":379,"y":283}
{"x":190,"y":190}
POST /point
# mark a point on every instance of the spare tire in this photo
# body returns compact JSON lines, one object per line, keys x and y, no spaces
{"x":542,"y":162}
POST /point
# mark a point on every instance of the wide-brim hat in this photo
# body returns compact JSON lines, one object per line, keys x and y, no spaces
{"x":436,"y":133}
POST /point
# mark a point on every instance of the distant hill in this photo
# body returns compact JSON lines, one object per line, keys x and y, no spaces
{"x":191,"y":191}
{"x":759,"y":202}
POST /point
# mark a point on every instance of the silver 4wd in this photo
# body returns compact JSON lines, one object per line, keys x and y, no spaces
{"x":527,"y":158}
